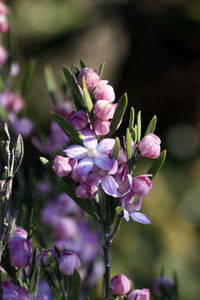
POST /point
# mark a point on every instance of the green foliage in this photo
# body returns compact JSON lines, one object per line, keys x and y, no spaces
{"x":75,"y":289}
{"x":50,"y":82}
{"x":116,"y":148}
{"x":151,"y":126}
{"x":157,"y":164}
{"x":139,"y":129}
{"x":87,"y":98}
{"x":131,"y":119}
{"x":28,"y":78}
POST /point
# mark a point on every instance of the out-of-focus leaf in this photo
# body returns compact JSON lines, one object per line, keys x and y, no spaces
{"x":131,"y":119}
{"x":82,"y":64}
{"x":44,"y":161}
{"x":101,"y":68}
{"x":76,"y":94}
{"x":32,"y":225}
{"x":2,"y":84}
{"x":116,"y":149}
{"x":157,"y":164}
{"x":3,"y":115}
{"x":139,"y":126}
{"x":152,"y":125}
{"x":62,"y":84}
{"x":10,"y":41}
{"x":83,"y":203}
{"x":50,"y":82}
{"x":28,"y":78}
{"x":19,"y":153}
{"x":68,"y":129}
{"x":33,"y":269}
{"x":75,"y":292}
{"x":87,"y":98}
{"x":119,"y":113}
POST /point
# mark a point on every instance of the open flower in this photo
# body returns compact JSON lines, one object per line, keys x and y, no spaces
{"x":92,"y":153}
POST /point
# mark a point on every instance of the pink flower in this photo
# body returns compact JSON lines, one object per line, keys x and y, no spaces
{"x":104,"y":91}
{"x":149,"y":146}
{"x":14,"y":70}
{"x":78,"y":119}
{"x":101,"y":127}
{"x":104,"y":110}
{"x":4,"y":10}
{"x":120,"y":285}
{"x":87,"y":191}
{"x":68,"y":262}
{"x":13,"y":103}
{"x":141,"y":185}
{"x":44,"y":256}
{"x":62,"y":166}
{"x":3,"y":55}
{"x":143,"y":294}
{"x":92,"y":153}
{"x":91,"y":78}
{"x":4,"y":25}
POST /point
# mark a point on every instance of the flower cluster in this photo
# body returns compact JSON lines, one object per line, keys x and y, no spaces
{"x":93,"y":164}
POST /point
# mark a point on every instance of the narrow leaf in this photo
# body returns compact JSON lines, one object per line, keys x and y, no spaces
{"x":76,"y":70}
{"x":82,"y":64}
{"x":157,"y":164}
{"x":19,"y":153}
{"x":152,"y":125}
{"x":83,"y":203}
{"x":76,"y":94}
{"x":28,"y":78}
{"x":134,"y":133}
{"x":119,"y":113}
{"x":129,"y":149}
{"x":101,"y":69}
{"x":67,"y":128}
{"x":116,"y":149}
{"x":87,"y":98}
{"x":76,"y":286}
{"x":50,"y":82}
{"x":139,"y":126}
{"x":131,"y":119}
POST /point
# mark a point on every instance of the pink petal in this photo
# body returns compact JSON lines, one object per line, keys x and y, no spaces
{"x":89,"y":138}
{"x":76,"y":151}
{"x":109,"y":185}
{"x":103,"y":161}
{"x":106,"y":145}
{"x":85,"y":166}
{"x":140,"y":218}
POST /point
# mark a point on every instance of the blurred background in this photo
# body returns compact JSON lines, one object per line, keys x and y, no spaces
{"x":152,"y":51}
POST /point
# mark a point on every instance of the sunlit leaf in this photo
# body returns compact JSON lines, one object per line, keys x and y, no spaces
{"x":87,"y":98}
{"x":152,"y":125}
{"x":116,"y":149}
{"x":50,"y":82}
{"x":131,"y":119}
{"x":157,"y":164}
{"x":19,"y":153}
{"x":139,"y":126}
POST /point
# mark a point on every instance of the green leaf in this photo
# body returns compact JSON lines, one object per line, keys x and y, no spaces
{"x":101,"y":69}
{"x":152,"y":125}
{"x":134,"y":133}
{"x":119,"y":113}
{"x":32,"y":272}
{"x":44,"y":161}
{"x":87,"y":98}
{"x":68,"y":129}
{"x":76,"y":94}
{"x":83,"y":203}
{"x":32,"y":225}
{"x":129,"y":148}
{"x":75,"y":292}
{"x":139,"y":126}
{"x":50,"y":82}
{"x":28,"y":78}
{"x":3,"y":115}
{"x":157,"y":164}
{"x":19,"y":153}
{"x":116,"y":149}
{"x":131,"y":119}
{"x":82,"y":64}
{"x":76,"y":70}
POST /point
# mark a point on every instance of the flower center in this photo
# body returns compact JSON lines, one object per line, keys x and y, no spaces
{"x":92,"y":152}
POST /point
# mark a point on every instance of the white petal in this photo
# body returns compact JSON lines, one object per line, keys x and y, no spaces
{"x":85,"y":166}
{"x":103,"y":161}
{"x":106,"y":145}
{"x":76,"y":151}
{"x":140,"y":218}
{"x":109,"y":185}
{"x":89,"y":138}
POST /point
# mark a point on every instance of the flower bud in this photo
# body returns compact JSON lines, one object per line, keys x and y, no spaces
{"x":104,"y":110}
{"x":20,"y":251}
{"x":104,"y":91}
{"x":78,"y":119}
{"x":120,"y":284}
{"x":143,"y":294}
{"x":4,"y":25}
{"x":3,"y":55}
{"x":62,"y":166}
{"x":149,"y":146}
{"x":91,"y":78}
{"x":142,"y":185}
{"x":101,"y":127}
{"x":162,"y":286}
{"x":68,"y":262}
{"x":44,"y":256}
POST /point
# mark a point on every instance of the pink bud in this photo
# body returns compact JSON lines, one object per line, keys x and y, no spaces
{"x":4,"y":25}
{"x":149,"y":146}
{"x":104,"y":110}
{"x":91,"y":78}
{"x":78,"y":119}
{"x":104,"y":91}
{"x":13,"y":103}
{"x":143,"y":294}
{"x":68,"y":262}
{"x":120,"y":284}
{"x":62,"y":166}
{"x":4,"y":10}
{"x":101,"y":127}
{"x":3,"y":55}
{"x":20,"y":251}
{"x":21,"y":232}
{"x":142,"y":185}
